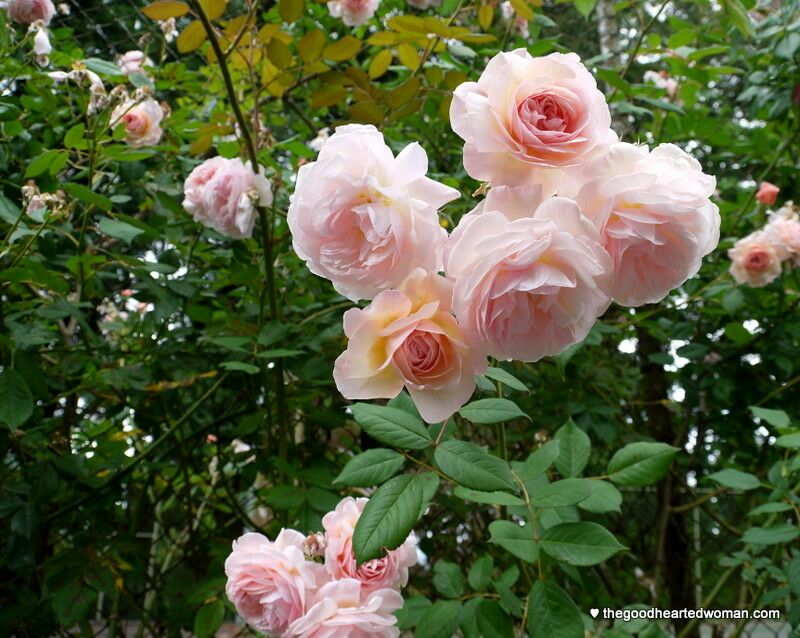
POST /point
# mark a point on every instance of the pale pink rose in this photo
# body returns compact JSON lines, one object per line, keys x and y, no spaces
{"x":353,"y":12}
{"x":519,"y":25}
{"x":785,"y":236}
{"x":526,"y":116}
{"x":767,"y":193}
{"x":271,"y":583}
{"x":754,"y":260}
{"x":133,"y":62}
{"x":223,"y":194}
{"x":664,"y":81}
{"x":409,"y":338}
{"x":655,"y":216}
{"x":28,"y":11}
{"x":363,"y":218}
{"x":389,"y":572}
{"x":527,"y":285}
{"x":141,"y":120}
{"x":342,"y":609}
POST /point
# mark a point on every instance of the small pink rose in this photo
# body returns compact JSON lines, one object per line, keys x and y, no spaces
{"x":141,"y":121}
{"x":353,"y":12}
{"x":767,"y":194}
{"x":754,"y":260}
{"x":28,"y":11}
{"x":133,"y":62}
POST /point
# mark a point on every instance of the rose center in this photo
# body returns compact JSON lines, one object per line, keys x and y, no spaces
{"x":757,"y":261}
{"x":544,"y":113}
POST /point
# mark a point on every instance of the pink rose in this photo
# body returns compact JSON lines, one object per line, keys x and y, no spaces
{"x":133,"y":62}
{"x":141,"y":120}
{"x":525,"y":116}
{"x":754,"y":260}
{"x":353,"y":12}
{"x":342,"y":609}
{"x":28,"y":11}
{"x":767,"y":194}
{"x":408,"y":337}
{"x":785,"y":236}
{"x":270,"y":583}
{"x":528,"y":280}
{"x":655,"y":216}
{"x":364,"y":219}
{"x":223,"y":194}
{"x":389,"y":572}
{"x":519,"y":25}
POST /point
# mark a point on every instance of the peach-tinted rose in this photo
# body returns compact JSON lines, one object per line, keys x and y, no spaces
{"x":389,"y":572}
{"x":141,"y":120}
{"x":133,"y":62}
{"x":528,"y":276}
{"x":754,"y":260}
{"x":363,"y":218}
{"x":785,"y":236}
{"x":271,"y":583}
{"x":28,"y":11}
{"x":767,"y":193}
{"x":353,"y":12}
{"x":408,"y":337}
{"x":526,"y":115}
{"x":342,"y":609}
{"x":223,"y":194}
{"x":655,"y":216}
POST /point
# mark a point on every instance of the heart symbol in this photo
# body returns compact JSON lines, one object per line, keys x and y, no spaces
{"x":594,"y":612}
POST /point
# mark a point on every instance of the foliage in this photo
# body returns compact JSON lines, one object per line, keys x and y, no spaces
{"x":163,"y":387}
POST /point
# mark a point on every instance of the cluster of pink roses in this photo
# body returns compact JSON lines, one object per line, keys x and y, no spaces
{"x":280,"y":589}
{"x":37,"y":14}
{"x":573,"y":220}
{"x":758,"y":258}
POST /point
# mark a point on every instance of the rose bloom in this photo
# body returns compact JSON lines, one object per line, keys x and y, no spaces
{"x":526,"y":115}
{"x":767,"y":193}
{"x":342,"y":609}
{"x":133,"y":62}
{"x":785,"y":236}
{"x":271,"y":583}
{"x":520,"y":25}
{"x":528,"y":280}
{"x":141,"y":120}
{"x":223,"y":194}
{"x":389,"y":572}
{"x":353,"y":12}
{"x":28,"y":11}
{"x":409,"y":337}
{"x":655,"y":216}
{"x":363,"y":218}
{"x":754,"y":260}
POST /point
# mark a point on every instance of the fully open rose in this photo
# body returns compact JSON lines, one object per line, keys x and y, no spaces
{"x":655,"y":216}
{"x":529,"y":286}
{"x":409,"y":337}
{"x":755,"y":260}
{"x":28,"y":11}
{"x":353,"y":12}
{"x":526,"y":115}
{"x":365,"y":219}
{"x":141,"y":121}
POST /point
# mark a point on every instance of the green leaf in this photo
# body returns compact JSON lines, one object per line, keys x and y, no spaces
{"x":551,"y":612}
{"x":563,"y":493}
{"x":480,"y":574}
{"x":103,"y":67}
{"x":580,"y":543}
{"x":493,"y":621}
{"x":392,"y":426}
{"x":641,"y":463}
{"x":574,"y":449}
{"x":208,"y":619}
{"x":736,"y":479}
{"x":41,"y":163}
{"x":604,"y":498}
{"x":87,"y":196}
{"x":788,"y":440}
{"x":506,"y":378}
{"x":769,"y":508}
{"x":9,"y":211}
{"x":440,"y":620}
{"x":447,"y":579}
{"x":540,"y":461}
{"x":388,"y":517}
{"x":585,"y":7}
{"x":119,"y":230}
{"x":240,"y":366}
{"x":16,"y":400}
{"x":491,"y":411}
{"x":369,"y":468}
{"x":490,"y":498}
{"x":515,"y":539}
{"x":776,"y":418}
{"x":75,"y":137}
{"x":24,"y":521}
{"x":782,"y":533}
{"x":471,"y":466}
{"x":737,"y":14}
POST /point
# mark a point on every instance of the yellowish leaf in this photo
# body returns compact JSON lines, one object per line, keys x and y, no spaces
{"x":408,"y":23}
{"x":164,"y":10}
{"x":382,"y":39}
{"x":327,"y":95}
{"x":434,"y":75}
{"x":408,"y":56}
{"x":343,"y":49}
{"x":522,"y":8}
{"x":279,"y":54}
{"x":234,"y":26}
{"x":291,"y":10}
{"x":191,"y":37}
{"x":403,"y":93}
{"x":213,"y":8}
{"x":310,"y":45}
{"x":380,"y":64}
{"x":485,"y":16}
{"x":367,"y":112}
{"x":200,"y":145}
{"x":267,"y":32}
